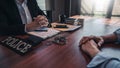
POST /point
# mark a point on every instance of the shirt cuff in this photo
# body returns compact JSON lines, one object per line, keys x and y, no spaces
{"x":25,"y":29}
{"x":117,"y":33}
{"x":100,"y":58}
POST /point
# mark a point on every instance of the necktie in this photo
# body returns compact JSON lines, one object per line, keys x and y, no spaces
{"x":24,"y":18}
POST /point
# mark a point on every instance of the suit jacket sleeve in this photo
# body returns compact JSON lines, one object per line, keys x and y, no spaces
{"x":7,"y":29}
{"x":34,"y":8}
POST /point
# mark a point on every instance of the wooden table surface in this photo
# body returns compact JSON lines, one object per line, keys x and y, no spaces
{"x":50,"y":55}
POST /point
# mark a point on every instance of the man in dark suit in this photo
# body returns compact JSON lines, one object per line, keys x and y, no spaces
{"x":14,"y":21}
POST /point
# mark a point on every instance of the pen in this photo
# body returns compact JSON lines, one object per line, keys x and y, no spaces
{"x":41,"y":30}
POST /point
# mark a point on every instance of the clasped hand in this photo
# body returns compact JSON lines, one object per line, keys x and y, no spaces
{"x":99,"y":40}
{"x":39,"y":21}
{"x":90,"y":45}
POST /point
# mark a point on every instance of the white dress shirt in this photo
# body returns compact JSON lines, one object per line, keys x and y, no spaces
{"x":24,"y":11}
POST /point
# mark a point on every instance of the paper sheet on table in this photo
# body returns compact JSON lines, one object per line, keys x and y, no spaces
{"x":46,"y":34}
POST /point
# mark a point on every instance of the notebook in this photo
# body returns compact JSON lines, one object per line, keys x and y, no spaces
{"x":69,"y":27}
{"x":45,"y":34}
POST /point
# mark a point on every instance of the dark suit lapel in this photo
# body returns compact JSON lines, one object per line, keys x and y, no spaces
{"x":30,"y":7}
{"x":14,"y":12}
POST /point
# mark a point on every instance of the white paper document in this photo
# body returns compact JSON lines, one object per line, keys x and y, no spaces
{"x":45,"y":34}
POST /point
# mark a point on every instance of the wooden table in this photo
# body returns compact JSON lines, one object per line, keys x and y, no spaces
{"x":50,"y":55}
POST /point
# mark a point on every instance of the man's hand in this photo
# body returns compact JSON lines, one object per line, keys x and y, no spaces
{"x":99,"y":40}
{"x":39,"y":21}
{"x":90,"y":47}
{"x":42,"y":20}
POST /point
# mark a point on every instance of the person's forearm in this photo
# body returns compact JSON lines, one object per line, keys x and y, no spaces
{"x":32,"y":26}
{"x":109,"y":38}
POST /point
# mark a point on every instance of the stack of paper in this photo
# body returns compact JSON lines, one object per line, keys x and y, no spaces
{"x":45,"y":34}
